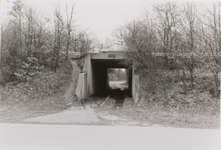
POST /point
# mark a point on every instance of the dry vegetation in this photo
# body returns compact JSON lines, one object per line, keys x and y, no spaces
{"x":47,"y":93}
{"x":151,"y":114}
{"x":181,"y":89}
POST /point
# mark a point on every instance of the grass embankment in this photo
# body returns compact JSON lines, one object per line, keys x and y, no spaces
{"x":171,"y":105}
{"x":200,"y":114}
{"x":174,"y":114}
{"x":196,"y":107}
{"x":46,"y":93}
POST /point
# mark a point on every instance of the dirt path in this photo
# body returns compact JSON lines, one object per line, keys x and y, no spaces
{"x":89,"y":113}
{"x":70,"y":116}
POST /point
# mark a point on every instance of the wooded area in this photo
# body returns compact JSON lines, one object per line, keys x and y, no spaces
{"x":32,"y":42}
{"x":189,"y":40}
{"x":35,"y":49}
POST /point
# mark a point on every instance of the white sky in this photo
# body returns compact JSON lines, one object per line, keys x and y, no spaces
{"x":99,"y":16}
{"x":103,"y":16}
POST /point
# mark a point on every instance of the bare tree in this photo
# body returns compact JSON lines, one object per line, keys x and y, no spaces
{"x":190,"y":28}
{"x":58,"y":34}
{"x":12,"y":42}
{"x":17,"y":13}
{"x":167,"y":19}
{"x":69,"y":27}
{"x":84,"y":43}
{"x":118,"y":35}
{"x":24,"y":39}
{"x":212,"y":38}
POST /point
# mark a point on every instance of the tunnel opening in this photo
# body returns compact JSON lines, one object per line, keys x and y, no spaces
{"x":117,"y":78}
{"x":118,"y":84}
{"x":111,"y":77}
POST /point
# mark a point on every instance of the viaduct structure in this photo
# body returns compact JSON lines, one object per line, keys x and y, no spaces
{"x":94,"y":77}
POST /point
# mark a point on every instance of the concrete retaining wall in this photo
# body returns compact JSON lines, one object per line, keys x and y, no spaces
{"x":81,"y":89}
{"x":90,"y":79}
{"x":135,"y":88}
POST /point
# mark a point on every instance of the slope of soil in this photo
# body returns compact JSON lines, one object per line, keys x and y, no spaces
{"x":47,"y":93}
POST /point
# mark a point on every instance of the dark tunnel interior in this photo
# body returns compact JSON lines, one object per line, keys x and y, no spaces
{"x":104,"y":87}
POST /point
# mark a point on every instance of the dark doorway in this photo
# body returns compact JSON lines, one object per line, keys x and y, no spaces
{"x":110,"y":76}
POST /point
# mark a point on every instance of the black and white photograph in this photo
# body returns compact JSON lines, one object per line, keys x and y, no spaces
{"x":110,"y":75}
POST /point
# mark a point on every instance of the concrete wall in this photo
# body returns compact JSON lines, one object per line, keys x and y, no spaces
{"x":81,"y":86}
{"x":135,"y":88}
{"x":94,"y":79}
{"x":89,"y":70}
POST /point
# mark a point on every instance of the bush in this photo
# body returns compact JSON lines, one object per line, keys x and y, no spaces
{"x":29,"y":69}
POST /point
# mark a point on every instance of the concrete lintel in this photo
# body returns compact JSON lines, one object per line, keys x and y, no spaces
{"x":108,"y":56}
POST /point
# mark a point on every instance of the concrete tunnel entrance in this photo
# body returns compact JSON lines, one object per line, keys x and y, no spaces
{"x":94,"y":77}
{"x":101,"y":76}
